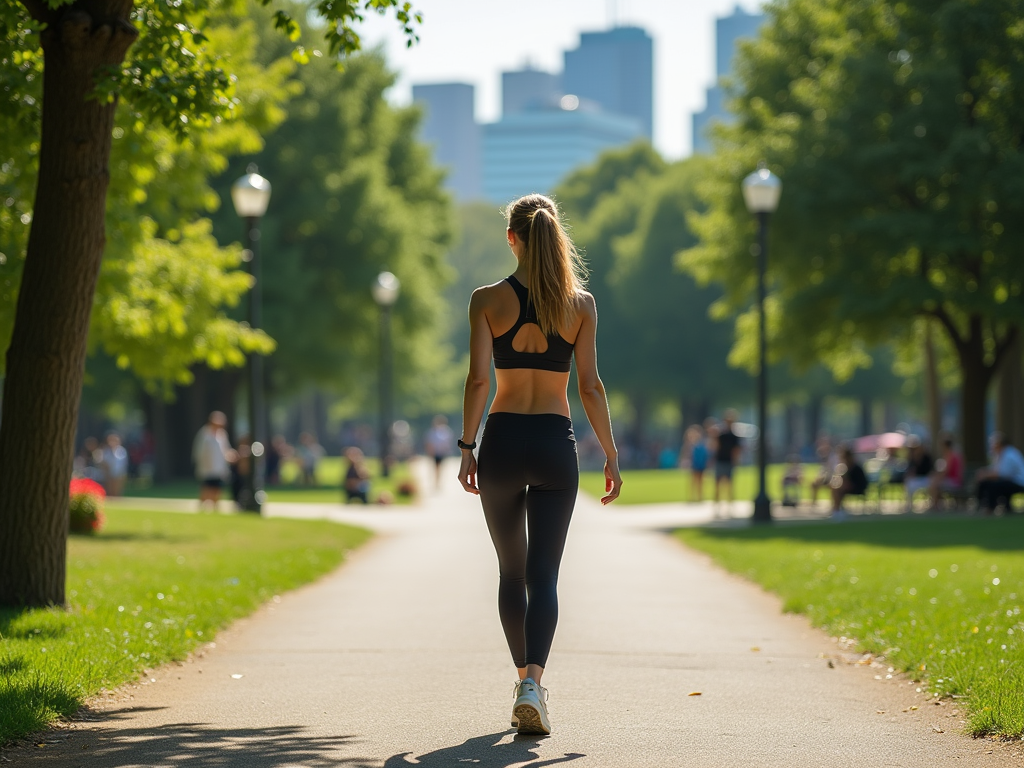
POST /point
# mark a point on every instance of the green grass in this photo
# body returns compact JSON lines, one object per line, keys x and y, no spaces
{"x":940,"y":599}
{"x":326,"y":491}
{"x":147,"y":590}
{"x":650,"y":486}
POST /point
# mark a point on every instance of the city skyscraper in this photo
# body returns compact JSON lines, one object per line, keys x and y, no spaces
{"x":529,"y":88}
{"x":449,"y":125}
{"x":614,"y":69}
{"x":531,"y":151}
{"x":728,"y":32}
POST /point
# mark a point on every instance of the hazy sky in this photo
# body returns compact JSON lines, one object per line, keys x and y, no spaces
{"x":475,"y":40}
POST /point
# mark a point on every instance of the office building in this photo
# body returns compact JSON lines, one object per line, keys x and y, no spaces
{"x":728,"y":32}
{"x":533,"y":150}
{"x":450,"y":127}
{"x":529,"y":89}
{"x":614,"y":69}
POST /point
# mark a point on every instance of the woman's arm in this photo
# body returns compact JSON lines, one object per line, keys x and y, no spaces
{"x":594,"y":397}
{"x":478,"y":384}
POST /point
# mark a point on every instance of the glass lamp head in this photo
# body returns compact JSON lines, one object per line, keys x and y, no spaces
{"x":761,"y":191}
{"x":385,"y":289}
{"x":251,"y":196}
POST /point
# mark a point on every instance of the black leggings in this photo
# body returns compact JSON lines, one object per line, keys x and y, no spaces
{"x":528,"y":475}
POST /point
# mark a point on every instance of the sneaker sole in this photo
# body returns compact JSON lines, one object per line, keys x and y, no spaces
{"x":530,"y":720}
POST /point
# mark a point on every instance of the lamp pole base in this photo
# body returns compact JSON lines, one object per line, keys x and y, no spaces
{"x":762,"y":508}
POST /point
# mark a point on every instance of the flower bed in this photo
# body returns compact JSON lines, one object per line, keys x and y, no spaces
{"x":86,"y":506}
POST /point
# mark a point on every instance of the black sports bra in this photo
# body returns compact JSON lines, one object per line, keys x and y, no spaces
{"x":557,"y":357}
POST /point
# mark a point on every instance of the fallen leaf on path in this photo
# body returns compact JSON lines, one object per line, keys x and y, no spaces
{"x":755,"y":649}
{"x":831,"y":665}
{"x":937,"y":729}
{"x":694,"y":693}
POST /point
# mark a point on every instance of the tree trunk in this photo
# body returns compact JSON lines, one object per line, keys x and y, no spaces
{"x":814,"y":420}
{"x":933,"y":397}
{"x":866,"y":427}
{"x":1010,"y":403}
{"x":46,"y":358}
{"x":976,"y":376}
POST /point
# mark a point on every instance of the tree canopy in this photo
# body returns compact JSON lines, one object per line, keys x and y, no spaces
{"x":896,"y":130}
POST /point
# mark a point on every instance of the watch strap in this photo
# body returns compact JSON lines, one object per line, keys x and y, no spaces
{"x":467,"y":446}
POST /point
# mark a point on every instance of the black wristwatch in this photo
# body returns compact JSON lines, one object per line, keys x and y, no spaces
{"x":467,"y":446}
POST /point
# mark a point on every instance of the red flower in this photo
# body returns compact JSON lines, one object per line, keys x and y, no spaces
{"x":82,"y":485}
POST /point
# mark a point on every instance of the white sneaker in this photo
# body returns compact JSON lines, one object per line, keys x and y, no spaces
{"x":530,"y":708}
{"x":515,"y":695}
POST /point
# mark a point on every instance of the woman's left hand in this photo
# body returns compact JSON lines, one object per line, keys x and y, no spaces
{"x":467,"y":473}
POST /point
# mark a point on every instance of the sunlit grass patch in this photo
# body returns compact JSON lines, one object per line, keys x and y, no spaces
{"x":941,"y":599}
{"x":653,"y":486}
{"x":148,"y":589}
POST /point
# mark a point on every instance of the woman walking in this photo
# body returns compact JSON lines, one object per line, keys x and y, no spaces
{"x":532,"y":324}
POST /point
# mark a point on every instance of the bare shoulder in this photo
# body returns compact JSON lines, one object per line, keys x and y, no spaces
{"x":587,"y":303}
{"x":485,"y":295}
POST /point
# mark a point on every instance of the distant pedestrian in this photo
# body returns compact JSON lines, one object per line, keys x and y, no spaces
{"x":213,"y":457}
{"x":727,"y":455}
{"x":309,"y":452}
{"x":849,"y":480}
{"x":115,"y":465}
{"x":439,"y":443}
{"x":277,"y":452}
{"x":695,"y":452}
{"x":356,"y":484}
{"x":1004,"y":478}
{"x":88,"y":462}
{"x":827,"y":460}
{"x":920,"y":465}
{"x":949,"y":471}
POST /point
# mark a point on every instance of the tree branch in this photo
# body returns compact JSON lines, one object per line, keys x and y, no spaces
{"x":1003,"y":345}
{"x":943,"y":317}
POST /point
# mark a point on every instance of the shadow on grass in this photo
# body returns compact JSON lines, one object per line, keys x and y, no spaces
{"x":268,"y":747}
{"x":918,"y":532}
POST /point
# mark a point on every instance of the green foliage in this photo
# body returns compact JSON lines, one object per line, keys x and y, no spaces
{"x":895,"y":128}
{"x":941,"y":599}
{"x":86,"y":513}
{"x":629,"y":212}
{"x":354,"y":193}
{"x":147,"y":590}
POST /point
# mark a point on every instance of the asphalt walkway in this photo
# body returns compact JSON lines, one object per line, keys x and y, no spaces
{"x":398,"y":659}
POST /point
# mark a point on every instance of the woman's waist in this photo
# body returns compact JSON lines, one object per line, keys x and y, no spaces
{"x":506,"y":425}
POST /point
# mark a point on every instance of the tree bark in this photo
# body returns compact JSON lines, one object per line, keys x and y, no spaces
{"x":46,"y":358}
{"x":866,"y":406}
{"x":1010,"y":402}
{"x":933,"y":397}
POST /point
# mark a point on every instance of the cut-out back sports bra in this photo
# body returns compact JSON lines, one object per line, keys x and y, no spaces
{"x":558,"y":355}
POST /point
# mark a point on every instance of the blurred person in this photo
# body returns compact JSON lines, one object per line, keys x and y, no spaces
{"x":727,"y":455}
{"x":357,"y":477}
{"x":827,"y":459}
{"x":532,"y":325}
{"x":1004,"y":478}
{"x":277,"y":452}
{"x":309,"y":452}
{"x":695,"y":453}
{"x":849,"y":479}
{"x":439,"y":442}
{"x":213,"y":457}
{"x":949,"y":471}
{"x":115,"y":465}
{"x":88,"y":462}
{"x":240,"y":471}
{"x":920,"y":465}
{"x":792,"y":481}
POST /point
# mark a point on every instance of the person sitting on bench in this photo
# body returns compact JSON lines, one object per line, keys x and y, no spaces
{"x":999,"y":482}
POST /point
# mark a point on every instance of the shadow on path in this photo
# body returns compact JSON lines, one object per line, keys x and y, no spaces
{"x":492,"y":751}
{"x":196,"y":744}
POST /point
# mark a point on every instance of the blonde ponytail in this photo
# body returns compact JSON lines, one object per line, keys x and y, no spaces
{"x":555,"y":272}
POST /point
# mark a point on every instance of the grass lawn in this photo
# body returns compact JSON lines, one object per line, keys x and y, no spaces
{"x":941,"y":599}
{"x":147,"y":590}
{"x":327,"y":489}
{"x":647,"y":486}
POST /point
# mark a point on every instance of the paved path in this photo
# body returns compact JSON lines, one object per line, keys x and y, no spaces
{"x":398,"y":659}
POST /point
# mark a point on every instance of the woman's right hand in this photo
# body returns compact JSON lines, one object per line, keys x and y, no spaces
{"x":612,"y":481}
{"x":467,"y":473}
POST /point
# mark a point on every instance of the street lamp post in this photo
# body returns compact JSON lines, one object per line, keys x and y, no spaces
{"x":251,"y":195}
{"x":761,"y":191}
{"x":385,"y":292}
